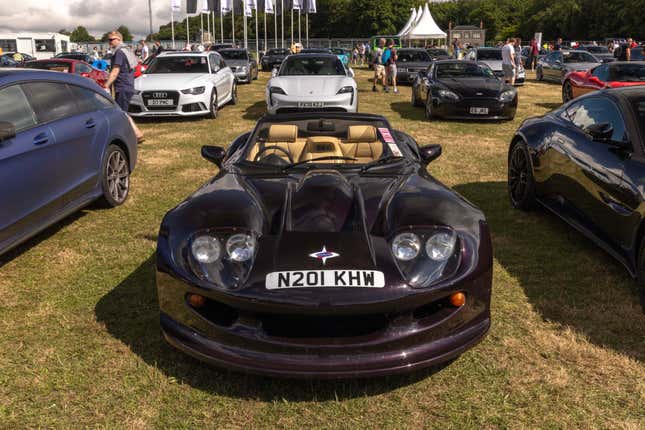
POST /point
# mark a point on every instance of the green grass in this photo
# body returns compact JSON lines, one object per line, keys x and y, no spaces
{"x":80,"y":343}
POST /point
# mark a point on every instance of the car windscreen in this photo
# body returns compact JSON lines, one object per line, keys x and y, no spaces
{"x":52,"y":65}
{"x":637,"y":54}
{"x":312,"y":66}
{"x":638,"y":103}
{"x":316,"y":51}
{"x":489,"y":54}
{"x":278,"y":52}
{"x":627,"y":72}
{"x":597,"y":49}
{"x":413,"y":57}
{"x":178,"y":64}
{"x":463,"y":70}
{"x":437,"y":52}
{"x":578,"y":57}
{"x":339,"y":51}
{"x":234,"y":55}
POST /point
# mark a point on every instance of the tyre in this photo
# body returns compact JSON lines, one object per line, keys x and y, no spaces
{"x":567,"y":92}
{"x":115,"y":177}
{"x":214,"y":108}
{"x":521,"y":184}
{"x":428,"y":108}
{"x":640,"y":274}
{"x":234,"y":94}
{"x":415,"y":100}
{"x":538,"y":74}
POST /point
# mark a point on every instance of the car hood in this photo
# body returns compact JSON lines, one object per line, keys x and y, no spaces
{"x":475,"y":87}
{"x":169,"y":81}
{"x":493,"y":64}
{"x":311,"y":85}
{"x":237,"y":63}
{"x":414,"y":65}
{"x":274,"y":57}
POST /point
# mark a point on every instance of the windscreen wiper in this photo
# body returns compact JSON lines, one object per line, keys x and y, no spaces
{"x":380,"y":162}
{"x":331,"y":157}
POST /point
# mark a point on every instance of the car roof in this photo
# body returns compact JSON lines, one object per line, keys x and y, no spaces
{"x":184,"y":53}
{"x":313,"y":54}
{"x":58,"y":60}
{"x":8,"y":76}
{"x":234,"y":50}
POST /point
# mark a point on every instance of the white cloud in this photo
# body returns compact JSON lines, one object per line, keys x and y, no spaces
{"x":98,"y":16}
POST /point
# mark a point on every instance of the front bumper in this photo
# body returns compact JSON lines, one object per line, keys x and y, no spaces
{"x":414,"y":330}
{"x":244,"y":77}
{"x":278,"y":103}
{"x":461,"y":109}
{"x":187,"y":105}
{"x":407,"y":76}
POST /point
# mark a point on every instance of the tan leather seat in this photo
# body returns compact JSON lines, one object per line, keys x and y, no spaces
{"x":362,"y":144}
{"x":283,"y":136}
{"x":322,"y":146}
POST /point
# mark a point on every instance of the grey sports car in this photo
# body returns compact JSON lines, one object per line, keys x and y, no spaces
{"x":312,"y":82}
{"x":411,"y":61}
{"x":556,"y":65}
{"x":243,"y":66}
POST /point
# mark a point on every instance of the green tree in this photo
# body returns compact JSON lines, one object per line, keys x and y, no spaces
{"x":125,"y":32}
{"x":63,"y":31}
{"x":80,"y":34}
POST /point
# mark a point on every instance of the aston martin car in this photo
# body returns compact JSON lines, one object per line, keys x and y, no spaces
{"x":493,"y":58}
{"x":312,"y":82}
{"x":410,"y":62}
{"x":242,"y":64}
{"x":462,"y":89}
{"x":323,"y":249}
{"x":614,"y":75}
{"x":555,"y":66}
{"x":273,"y":58}
{"x":184,"y":84}
{"x":584,"y":162}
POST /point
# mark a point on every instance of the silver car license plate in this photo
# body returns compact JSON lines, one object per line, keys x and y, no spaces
{"x":160,"y":102}
{"x":311,"y":104}
{"x":325,"y":279}
{"x":478,"y":111}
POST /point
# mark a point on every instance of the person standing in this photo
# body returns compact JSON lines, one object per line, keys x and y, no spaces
{"x":508,"y":62}
{"x":361,"y":53}
{"x":377,"y":62}
{"x":159,"y":47}
{"x":145,"y":52}
{"x":518,"y":53}
{"x":121,"y":76}
{"x":534,"y":51}
{"x":455,"y":48}
{"x":558,"y":45}
{"x":391,"y":65}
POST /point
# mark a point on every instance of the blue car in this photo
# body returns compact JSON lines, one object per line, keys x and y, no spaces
{"x":64,"y":143}
{"x":342,"y":54}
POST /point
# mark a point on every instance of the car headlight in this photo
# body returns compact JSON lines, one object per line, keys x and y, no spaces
{"x":447,"y":94}
{"x":406,"y":246}
{"x":277,"y":90}
{"x":420,"y":265}
{"x":194,"y":91}
{"x":137,"y":92}
{"x":243,"y":69}
{"x":240,"y":247}
{"x":346,"y":90}
{"x":206,"y":249}
{"x":507,"y":96}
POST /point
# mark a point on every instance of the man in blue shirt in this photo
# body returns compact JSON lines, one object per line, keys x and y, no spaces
{"x":122,"y":63}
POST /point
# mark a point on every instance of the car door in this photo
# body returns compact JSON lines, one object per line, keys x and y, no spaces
{"x":225,"y":77}
{"x":74,"y":132}
{"x":596,"y":79}
{"x":553,"y":71}
{"x":598,"y":193}
{"x":29,"y":174}
{"x":215,"y":75}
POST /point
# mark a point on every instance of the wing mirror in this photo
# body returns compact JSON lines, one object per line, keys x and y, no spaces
{"x":214,"y":154}
{"x":601,"y":132}
{"x":429,"y":153}
{"x":7,"y":131}
{"x":274,"y":73}
{"x":351,"y":73}
{"x":557,"y":62}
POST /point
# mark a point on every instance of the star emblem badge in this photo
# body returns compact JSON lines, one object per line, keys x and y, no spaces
{"x":324,"y":255}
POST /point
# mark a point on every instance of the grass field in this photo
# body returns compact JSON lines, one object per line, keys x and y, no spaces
{"x":80,"y":344}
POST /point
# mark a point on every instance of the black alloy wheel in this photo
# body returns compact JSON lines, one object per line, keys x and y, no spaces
{"x":428,"y":107}
{"x":214,"y":108}
{"x":521,"y":185}
{"x":415,"y":100}
{"x":640,"y":274}
{"x":567,"y":91}
{"x":234,"y":94}
{"x":115,"y":179}
{"x":539,"y":74}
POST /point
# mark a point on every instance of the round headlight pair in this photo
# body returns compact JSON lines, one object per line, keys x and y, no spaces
{"x":207,"y":249}
{"x":439,"y":247}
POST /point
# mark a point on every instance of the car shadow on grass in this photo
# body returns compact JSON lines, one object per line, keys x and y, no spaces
{"x":255,"y":111}
{"x":568,"y":280}
{"x":407,"y":111}
{"x":549,"y":106}
{"x":130,"y":313}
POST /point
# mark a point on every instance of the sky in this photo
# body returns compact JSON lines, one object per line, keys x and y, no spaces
{"x":98,"y":16}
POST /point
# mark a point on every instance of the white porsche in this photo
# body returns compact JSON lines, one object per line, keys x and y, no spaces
{"x":312,"y":82}
{"x":183,"y":84}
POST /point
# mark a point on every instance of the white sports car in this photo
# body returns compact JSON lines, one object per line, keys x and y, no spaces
{"x":184,"y":84}
{"x":312,"y":82}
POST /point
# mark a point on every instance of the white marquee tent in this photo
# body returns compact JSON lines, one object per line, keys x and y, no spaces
{"x":411,"y":22}
{"x":425,"y":27}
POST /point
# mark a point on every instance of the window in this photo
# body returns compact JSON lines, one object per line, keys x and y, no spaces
{"x":476,"y":35}
{"x":212,"y":60}
{"x":88,"y":100}
{"x":82,"y":68}
{"x":51,"y":101}
{"x":63,"y":46}
{"x":14,"y":108}
{"x":601,"y":72}
{"x":597,"y":111}
{"x":8,"y":45}
{"x":45,"y":45}
{"x":178,"y":64}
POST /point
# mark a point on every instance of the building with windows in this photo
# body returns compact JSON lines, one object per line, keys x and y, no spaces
{"x":39,"y":45}
{"x":469,"y":35}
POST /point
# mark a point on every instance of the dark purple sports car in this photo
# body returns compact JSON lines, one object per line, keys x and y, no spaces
{"x":324,"y":249}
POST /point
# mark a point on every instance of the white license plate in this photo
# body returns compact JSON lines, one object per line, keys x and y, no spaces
{"x":478,"y":111}
{"x":311,"y":104}
{"x":160,"y":102}
{"x":325,"y":279}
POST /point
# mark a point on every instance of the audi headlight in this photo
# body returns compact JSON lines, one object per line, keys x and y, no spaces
{"x":206,"y":249}
{"x":194,"y":91}
{"x":346,"y":90}
{"x":507,"y":96}
{"x":406,"y":246}
{"x":240,"y":247}
{"x":449,"y":95}
{"x":243,"y":69}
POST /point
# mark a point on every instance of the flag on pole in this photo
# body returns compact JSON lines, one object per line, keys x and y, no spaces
{"x":310,"y":6}
{"x":268,"y":6}
{"x":191,"y":6}
{"x":175,"y":5}
{"x":226,"y":6}
{"x":297,"y":4}
{"x":204,"y":8}
{"x":249,"y":5}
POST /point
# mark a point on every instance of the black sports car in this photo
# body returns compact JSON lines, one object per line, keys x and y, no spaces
{"x":273,"y":58}
{"x":460,"y":89}
{"x":438,"y":54}
{"x":586,"y":162}
{"x":323,"y":248}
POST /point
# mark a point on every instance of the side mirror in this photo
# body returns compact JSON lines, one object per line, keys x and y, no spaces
{"x":350,"y":73}
{"x":600,"y":132}
{"x":7,"y":131}
{"x":429,"y":153}
{"x":214,"y":154}
{"x":274,"y":73}
{"x":557,"y":62}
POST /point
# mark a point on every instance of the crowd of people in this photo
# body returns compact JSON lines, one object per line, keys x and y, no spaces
{"x":384,"y":61}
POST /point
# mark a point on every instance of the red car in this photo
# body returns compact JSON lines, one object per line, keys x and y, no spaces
{"x":66,"y":65}
{"x":607,"y":75}
{"x":142,"y":66}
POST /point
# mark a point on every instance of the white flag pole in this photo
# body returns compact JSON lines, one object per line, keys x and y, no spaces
{"x":275,"y":25}
{"x":299,"y":27}
{"x":282,"y":20}
{"x":257,"y":36}
{"x":291,"y":25}
{"x":188,"y":29}
{"x":265,"y":30}
{"x":246,"y":37}
{"x":208,"y":24}
{"x":307,"y":27}
{"x":221,"y":23}
{"x":233,"y":20}
{"x":172,"y":27}
{"x":213,"y":37}
{"x":201,"y":24}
